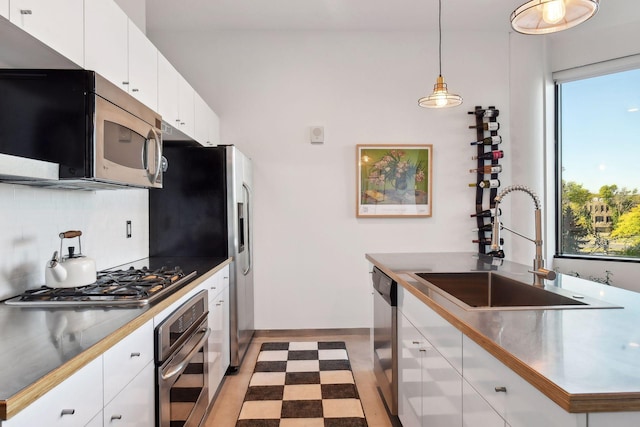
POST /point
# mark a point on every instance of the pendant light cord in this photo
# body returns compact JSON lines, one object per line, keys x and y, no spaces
{"x":440,"y":37}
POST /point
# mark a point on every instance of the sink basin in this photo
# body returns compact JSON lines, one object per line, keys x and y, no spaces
{"x":491,"y":291}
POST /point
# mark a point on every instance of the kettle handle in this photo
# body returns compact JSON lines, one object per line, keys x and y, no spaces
{"x":70,"y":234}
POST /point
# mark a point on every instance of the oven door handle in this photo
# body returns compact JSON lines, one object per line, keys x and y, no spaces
{"x":175,"y":368}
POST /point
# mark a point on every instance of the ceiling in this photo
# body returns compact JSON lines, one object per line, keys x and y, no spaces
{"x":354,"y":15}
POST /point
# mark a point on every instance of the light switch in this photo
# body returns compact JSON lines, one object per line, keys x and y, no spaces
{"x":317,"y":134}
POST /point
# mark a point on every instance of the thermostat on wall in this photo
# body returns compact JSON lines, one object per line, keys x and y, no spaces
{"x":317,"y":134}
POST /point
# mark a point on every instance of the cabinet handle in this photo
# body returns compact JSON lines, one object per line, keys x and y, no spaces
{"x":116,"y":417}
{"x":25,"y":12}
{"x":67,"y":412}
{"x":136,"y":354}
{"x":213,"y":287}
{"x":125,"y":83}
{"x":501,"y":389}
{"x":423,"y":350}
{"x":415,"y":342}
{"x":134,"y":90}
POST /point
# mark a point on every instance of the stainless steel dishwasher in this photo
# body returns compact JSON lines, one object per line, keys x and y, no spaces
{"x":385,"y":339}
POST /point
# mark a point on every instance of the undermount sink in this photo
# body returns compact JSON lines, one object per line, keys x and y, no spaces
{"x":491,"y":291}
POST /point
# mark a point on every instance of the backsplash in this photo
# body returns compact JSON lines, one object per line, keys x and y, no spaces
{"x":31,"y":219}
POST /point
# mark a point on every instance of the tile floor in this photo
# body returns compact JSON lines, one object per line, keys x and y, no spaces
{"x":226,"y":408}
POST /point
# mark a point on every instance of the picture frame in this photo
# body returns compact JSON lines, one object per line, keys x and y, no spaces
{"x":393,"y":180}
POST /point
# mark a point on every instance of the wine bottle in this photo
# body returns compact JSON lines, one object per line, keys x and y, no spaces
{"x":488,"y":169}
{"x":486,"y":227}
{"x":486,"y":213}
{"x":486,"y":241}
{"x":487,"y":126}
{"x":489,"y":112}
{"x":490,"y":140}
{"x":487,"y":183}
{"x":491,"y":155}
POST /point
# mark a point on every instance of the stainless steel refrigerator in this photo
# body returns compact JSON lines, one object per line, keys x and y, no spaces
{"x":205,"y":210}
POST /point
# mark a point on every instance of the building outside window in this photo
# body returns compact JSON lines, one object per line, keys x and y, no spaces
{"x":598,"y":152}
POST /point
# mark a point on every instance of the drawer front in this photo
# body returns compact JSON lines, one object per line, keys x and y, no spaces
{"x":126,"y":359}
{"x":440,"y":333}
{"x":73,"y":402}
{"x":476,"y":412}
{"x":134,"y":406}
{"x":517,"y":401}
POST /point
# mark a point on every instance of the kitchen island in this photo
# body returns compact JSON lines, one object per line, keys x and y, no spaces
{"x":584,"y":360}
{"x":42,"y":347}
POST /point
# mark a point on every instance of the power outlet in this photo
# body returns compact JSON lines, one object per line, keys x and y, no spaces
{"x":128,"y":229}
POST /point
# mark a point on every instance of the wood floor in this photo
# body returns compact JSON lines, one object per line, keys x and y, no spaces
{"x":229,"y":401}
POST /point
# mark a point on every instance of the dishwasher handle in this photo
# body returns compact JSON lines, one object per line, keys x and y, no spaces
{"x":385,"y":286}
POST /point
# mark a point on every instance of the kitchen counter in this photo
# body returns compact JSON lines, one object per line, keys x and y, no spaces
{"x":585,"y":360}
{"x":43,"y":346}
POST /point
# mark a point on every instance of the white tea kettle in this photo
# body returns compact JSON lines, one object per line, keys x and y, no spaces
{"x":73,"y":270}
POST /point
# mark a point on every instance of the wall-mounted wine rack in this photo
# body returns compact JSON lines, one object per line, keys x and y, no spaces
{"x":489,"y":153}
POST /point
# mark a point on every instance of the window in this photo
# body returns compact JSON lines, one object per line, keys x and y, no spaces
{"x":598,"y":119}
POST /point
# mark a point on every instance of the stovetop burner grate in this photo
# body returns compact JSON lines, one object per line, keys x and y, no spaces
{"x":112,"y":287}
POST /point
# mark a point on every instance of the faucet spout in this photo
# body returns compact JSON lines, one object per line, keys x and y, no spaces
{"x":539,"y":272}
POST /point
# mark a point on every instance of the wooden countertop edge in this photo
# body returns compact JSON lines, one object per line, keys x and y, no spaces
{"x":31,"y":393}
{"x":573,"y":403}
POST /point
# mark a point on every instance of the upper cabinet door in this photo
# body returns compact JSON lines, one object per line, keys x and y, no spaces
{"x":58,"y":24}
{"x":105,"y":41}
{"x":206,"y":125}
{"x":186,"y":106}
{"x":167,"y":91}
{"x":143,"y":68}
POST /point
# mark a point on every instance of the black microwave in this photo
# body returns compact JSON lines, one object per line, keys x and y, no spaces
{"x":75,"y":129}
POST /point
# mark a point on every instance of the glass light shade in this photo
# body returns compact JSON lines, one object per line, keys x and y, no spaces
{"x":440,"y":98}
{"x":549,"y":16}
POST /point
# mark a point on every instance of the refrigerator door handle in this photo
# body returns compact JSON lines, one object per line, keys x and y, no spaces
{"x":247,"y":192}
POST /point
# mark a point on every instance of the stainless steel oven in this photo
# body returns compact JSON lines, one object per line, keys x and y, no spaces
{"x":181,"y":365}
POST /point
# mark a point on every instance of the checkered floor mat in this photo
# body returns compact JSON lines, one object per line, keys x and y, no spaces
{"x":302,"y":384}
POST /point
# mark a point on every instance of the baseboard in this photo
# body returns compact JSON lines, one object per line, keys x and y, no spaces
{"x":310,"y":332}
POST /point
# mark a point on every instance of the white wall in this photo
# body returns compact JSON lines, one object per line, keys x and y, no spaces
{"x":31,"y":219}
{"x":269,"y":87}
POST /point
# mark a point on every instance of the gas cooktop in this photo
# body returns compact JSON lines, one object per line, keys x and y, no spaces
{"x":125,"y":287}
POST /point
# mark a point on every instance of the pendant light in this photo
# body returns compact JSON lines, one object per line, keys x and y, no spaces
{"x":440,"y":98}
{"x":549,"y":16}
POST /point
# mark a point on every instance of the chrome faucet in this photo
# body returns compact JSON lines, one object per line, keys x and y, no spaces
{"x":539,"y":272}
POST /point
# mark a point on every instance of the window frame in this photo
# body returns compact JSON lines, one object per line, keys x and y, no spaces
{"x":598,"y":69}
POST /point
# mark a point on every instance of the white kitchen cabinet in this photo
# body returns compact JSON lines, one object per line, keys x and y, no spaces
{"x":440,"y":333}
{"x":409,"y":373}
{"x":429,"y":387}
{"x":143,"y":67}
{"x":73,"y":402}
{"x":176,"y":101}
{"x":4,"y":8}
{"x":167,"y":91}
{"x":186,"y":107}
{"x":476,"y":412}
{"x":134,"y":406}
{"x":58,"y":24}
{"x":517,"y":401}
{"x":207,"y":124}
{"x":219,"y":341}
{"x":126,"y":359}
{"x":106,"y":41}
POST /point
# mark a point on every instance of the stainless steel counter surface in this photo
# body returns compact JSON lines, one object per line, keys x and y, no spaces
{"x":42,"y":346}
{"x":586,"y":360}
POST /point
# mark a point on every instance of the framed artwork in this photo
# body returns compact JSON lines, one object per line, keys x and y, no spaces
{"x":394,"y":180}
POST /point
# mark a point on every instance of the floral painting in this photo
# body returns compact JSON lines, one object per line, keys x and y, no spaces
{"x":394,"y":180}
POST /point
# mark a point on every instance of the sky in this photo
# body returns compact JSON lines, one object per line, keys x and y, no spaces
{"x":601,"y":131}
